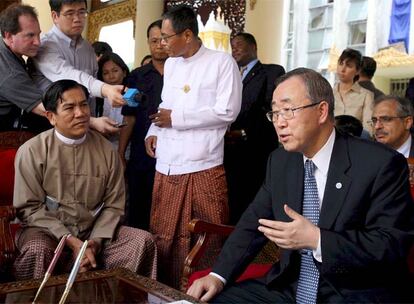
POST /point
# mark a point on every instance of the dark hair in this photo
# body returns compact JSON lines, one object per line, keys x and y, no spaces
{"x":115,"y":58}
{"x":348,"y":124}
{"x":9,"y":18}
{"x":369,"y":66}
{"x":145,"y":58}
{"x":182,"y":17}
{"x":249,"y":38}
{"x":404,"y":106}
{"x":318,"y":88}
{"x":101,"y":47}
{"x":409,"y":93}
{"x":55,"y":91}
{"x":157,"y":23}
{"x":351,"y":55}
{"x":56,"y":5}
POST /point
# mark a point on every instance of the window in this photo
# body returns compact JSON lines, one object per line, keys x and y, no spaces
{"x":319,"y":34}
{"x":290,"y":37}
{"x":357,"y":22}
{"x":399,"y":86}
{"x":358,"y":11}
{"x":120,"y":37}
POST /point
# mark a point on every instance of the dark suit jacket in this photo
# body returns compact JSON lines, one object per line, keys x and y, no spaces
{"x":412,"y":147}
{"x":244,"y":176}
{"x":258,"y":87}
{"x":366,"y":221}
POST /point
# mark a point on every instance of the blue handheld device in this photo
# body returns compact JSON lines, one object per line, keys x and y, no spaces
{"x":129,"y":96}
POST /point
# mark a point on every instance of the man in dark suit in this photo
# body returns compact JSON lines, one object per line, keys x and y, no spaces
{"x":357,"y":250}
{"x":368,"y":68}
{"x":251,"y":137}
{"x":392,"y":120}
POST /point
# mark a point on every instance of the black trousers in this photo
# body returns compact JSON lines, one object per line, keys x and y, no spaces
{"x":140,"y":184}
{"x":254,"y":291}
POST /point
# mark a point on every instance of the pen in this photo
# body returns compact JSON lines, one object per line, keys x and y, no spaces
{"x":52,"y":264}
{"x":74,"y":272}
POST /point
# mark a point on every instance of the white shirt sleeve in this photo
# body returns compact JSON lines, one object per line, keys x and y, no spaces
{"x":317,"y":253}
{"x":219,"y":277}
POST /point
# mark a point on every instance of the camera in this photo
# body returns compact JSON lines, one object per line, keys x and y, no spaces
{"x":134,"y":97}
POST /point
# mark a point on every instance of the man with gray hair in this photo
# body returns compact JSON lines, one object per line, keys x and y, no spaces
{"x":338,"y":207}
{"x":20,"y":98}
{"x":392,"y":119}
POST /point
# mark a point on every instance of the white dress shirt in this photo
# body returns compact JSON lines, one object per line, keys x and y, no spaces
{"x":406,"y":147}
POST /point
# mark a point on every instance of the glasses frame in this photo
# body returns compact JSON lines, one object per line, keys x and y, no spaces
{"x":165,"y":38}
{"x":270,"y":114}
{"x":70,"y":15}
{"x":388,"y":119}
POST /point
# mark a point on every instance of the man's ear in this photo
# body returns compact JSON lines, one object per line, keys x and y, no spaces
{"x":323,"y":109}
{"x":408,"y":122}
{"x":55,"y":16}
{"x":8,"y":38}
{"x":189,"y":35}
{"x":51,"y":117}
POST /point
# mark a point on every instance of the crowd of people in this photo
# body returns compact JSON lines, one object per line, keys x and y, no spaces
{"x":203,"y":143}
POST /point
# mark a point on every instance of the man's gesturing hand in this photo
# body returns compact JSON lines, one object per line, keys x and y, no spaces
{"x":298,"y":234}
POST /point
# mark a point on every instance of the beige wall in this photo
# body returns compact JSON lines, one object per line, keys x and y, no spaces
{"x":147,"y":12}
{"x":382,"y":83}
{"x":264,"y":22}
{"x":43,"y":9}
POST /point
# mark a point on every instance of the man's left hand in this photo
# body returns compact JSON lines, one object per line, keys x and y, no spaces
{"x":298,"y":234}
{"x":104,"y":125}
{"x":162,"y":118}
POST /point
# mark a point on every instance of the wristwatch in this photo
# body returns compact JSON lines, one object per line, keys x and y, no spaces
{"x":243,"y":134}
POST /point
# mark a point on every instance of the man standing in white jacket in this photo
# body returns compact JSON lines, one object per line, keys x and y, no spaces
{"x":201,"y":97}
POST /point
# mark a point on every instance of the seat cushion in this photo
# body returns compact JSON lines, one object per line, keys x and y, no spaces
{"x":7,"y":175}
{"x":252,"y":271}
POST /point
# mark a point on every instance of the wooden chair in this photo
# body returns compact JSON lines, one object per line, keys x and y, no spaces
{"x":259,"y":267}
{"x":9,"y":143}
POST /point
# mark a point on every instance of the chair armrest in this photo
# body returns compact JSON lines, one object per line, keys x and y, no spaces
{"x":204,"y":229}
{"x":200,"y":226}
{"x":7,"y":247}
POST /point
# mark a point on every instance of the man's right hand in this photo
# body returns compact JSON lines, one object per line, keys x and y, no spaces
{"x":88,"y":260}
{"x":206,"y":288}
{"x":151,"y":145}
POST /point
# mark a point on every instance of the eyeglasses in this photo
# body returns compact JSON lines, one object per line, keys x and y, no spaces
{"x":165,"y":38}
{"x":71,"y":14}
{"x":287,"y":114}
{"x":384,"y":119}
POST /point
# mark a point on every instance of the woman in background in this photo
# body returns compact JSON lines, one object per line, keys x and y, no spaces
{"x":112,"y":70}
{"x":350,"y":97}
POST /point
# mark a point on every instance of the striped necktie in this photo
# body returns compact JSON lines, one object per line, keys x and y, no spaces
{"x":309,"y":275}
